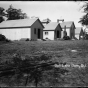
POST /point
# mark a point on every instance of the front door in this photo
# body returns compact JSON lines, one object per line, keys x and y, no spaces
{"x":38,"y":33}
{"x":58,"y":34}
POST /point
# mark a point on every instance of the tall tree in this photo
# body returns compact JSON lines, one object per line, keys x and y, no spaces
{"x":84,"y":19}
{"x":2,"y":13}
{"x":14,"y":13}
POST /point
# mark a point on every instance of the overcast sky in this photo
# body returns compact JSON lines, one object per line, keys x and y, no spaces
{"x":69,"y":11}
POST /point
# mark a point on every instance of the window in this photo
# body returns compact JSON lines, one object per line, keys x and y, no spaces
{"x":46,"y":33}
{"x":34,"y":30}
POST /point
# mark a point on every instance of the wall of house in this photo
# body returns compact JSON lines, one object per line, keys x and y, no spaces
{"x":50,"y":35}
{"x":62,"y":33}
{"x":25,"y":33}
{"x":16,"y":33}
{"x":67,"y":30}
{"x":70,"y":32}
{"x":36,"y":25}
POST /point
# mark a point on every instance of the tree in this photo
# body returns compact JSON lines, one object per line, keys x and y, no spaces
{"x":2,"y":37}
{"x":47,"y":20}
{"x":84,"y":19}
{"x":2,"y":13}
{"x":14,"y":13}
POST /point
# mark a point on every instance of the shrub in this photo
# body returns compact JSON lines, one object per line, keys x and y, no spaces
{"x":86,"y":36}
{"x":47,"y":39}
{"x":27,"y":39}
{"x":66,"y":38}
{"x":43,"y":39}
{"x":2,"y":37}
{"x":7,"y":40}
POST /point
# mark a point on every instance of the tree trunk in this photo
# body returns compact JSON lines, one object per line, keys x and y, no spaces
{"x":26,"y":81}
{"x":36,"y":82}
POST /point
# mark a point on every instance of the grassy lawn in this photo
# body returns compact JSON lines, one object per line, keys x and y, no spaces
{"x":60,"y":51}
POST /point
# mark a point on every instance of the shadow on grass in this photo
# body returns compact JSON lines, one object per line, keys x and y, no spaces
{"x":24,"y":71}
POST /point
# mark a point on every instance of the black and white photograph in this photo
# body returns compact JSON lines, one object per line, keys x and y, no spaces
{"x":43,"y":44}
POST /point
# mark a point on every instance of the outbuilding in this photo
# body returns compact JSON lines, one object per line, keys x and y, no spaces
{"x":52,"y":31}
{"x":22,"y":28}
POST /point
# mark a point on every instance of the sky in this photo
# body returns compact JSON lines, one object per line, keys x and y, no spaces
{"x":67,"y":10}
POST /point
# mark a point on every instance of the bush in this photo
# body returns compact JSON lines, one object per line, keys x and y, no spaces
{"x":47,"y":39}
{"x":43,"y":39}
{"x":2,"y":37}
{"x":86,"y":36}
{"x":66,"y":38}
{"x":27,"y":39}
{"x":7,"y":40}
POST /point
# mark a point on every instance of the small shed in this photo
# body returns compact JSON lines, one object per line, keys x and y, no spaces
{"x":52,"y":31}
{"x":69,"y":27}
{"x":22,"y":28}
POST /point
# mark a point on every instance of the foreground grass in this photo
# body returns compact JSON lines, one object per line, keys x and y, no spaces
{"x":60,"y":51}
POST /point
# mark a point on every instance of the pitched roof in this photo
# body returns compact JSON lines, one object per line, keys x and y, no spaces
{"x":51,"y":26}
{"x":17,"y":23}
{"x":78,"y":30}
{"x":67,"y":24}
